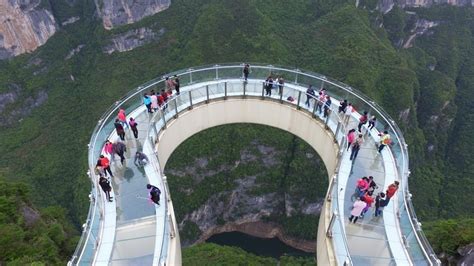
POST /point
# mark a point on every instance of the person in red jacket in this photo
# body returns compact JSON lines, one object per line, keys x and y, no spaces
{"x":368,"y":200}
{"x":105,"y":164}
{"x":391,"y":190}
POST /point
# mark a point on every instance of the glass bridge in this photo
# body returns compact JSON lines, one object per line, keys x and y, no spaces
{"x":131,"y":230}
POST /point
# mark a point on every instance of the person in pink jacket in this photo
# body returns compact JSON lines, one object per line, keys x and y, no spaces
{"x":108,"y":149}
{"x":350,"y":137}
{"x":358,"y":206}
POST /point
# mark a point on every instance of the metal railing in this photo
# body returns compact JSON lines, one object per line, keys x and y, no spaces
{"x":419,"y":248}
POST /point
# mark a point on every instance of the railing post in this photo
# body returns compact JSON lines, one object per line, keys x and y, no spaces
{"x":163,"y":118}
{"x":331,"y":224}
{"x":333,"y":183}
{"x":190,"y":76}
{"x":327,"y":117}
{"x":296,"y":76}
{"x":172,"y":229}
{"x":225,"y":90}
{"x":167,"y":190}
{"x":217,"y":71}
{"x":176,"y":107}
{"x":315,"y":107}
{"x":337,"y":131}
{"x":281,"y":94}
{"x":299,"y":99}
{"x":245,"y":89}
{"x":207,"y":93}
{"x":263,"y":90}
{"x":190,"y":101}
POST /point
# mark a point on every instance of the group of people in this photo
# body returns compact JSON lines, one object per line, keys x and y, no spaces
{"x":121,"y":124}
{"x":154,"y":100}
{"x":364,"y":198}
{"x":270,"y":84}
{"x":110,"y":149}
{"x":323,"y":100}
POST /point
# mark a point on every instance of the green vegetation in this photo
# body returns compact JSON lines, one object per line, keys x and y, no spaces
{"x":212,"y":254}
{"x":213,"y":161}
{"x":30,"y":236}
{"x":448,"y":235}
{"x":47,"y":149}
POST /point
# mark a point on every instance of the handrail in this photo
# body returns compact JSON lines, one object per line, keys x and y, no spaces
{"x":402,"y":163}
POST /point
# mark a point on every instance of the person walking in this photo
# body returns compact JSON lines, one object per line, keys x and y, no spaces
{"x":362,"y":121}
{"x":119,"y":129}
{"x":367,"y":198}
{"x":281,"y":83}
{"x":133,"y":125}
{"x":356,"y":211}
{"x":169,"y":84}
{"x":372,"y":122}
{"x":154,"y":193}
{"x":105,"y":185}
{"x":348,"y":113}
{"x":147,"y":102}
{"x":120,"y":148}
{"x":140,"y":159}
{"x":391,"y":190}
{"x":356,"y":147}
{"x":379,"y":204}
{"x":268,"y":86}
{"x":372,"y":185}
{"x":321,"y":100}
{"x":122,"y":117}
{"x":309,"y":95}
{"x":342,"y":106}
{"x":361,"y":187}
{"x":246,"y":71}
{"x":327,"y":106}
{"x":108,"y":149}
{"x":350,"y":138}
{"x":154,"y":101}
{"x":384,"y":140}
{"x":105,"y":164}
{"x":176,"y":84}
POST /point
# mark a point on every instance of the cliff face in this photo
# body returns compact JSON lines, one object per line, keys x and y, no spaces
{"x":24,"y":26}
{"x":115,"y":12}
{"x":386,"y":5}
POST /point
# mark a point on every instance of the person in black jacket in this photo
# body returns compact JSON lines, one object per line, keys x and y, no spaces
{"x":119,"y":129}
{"x":379,"y":204}
{"x":154,"y":193}
{"x":105,"y":185}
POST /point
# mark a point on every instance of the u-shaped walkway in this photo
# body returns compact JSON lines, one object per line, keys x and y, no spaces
{"x":131,"y":231}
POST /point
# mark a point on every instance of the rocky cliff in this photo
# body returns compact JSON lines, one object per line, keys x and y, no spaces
{"x":386,"y":5}
{"x":24,"y":25}
{"x":115,"y":12}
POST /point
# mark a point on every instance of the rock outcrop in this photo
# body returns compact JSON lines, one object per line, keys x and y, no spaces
{"x":132,"y":39}
{"x":14,"y":106}
{"x":386,"y":5}
{"x":120,"y":12}
{"x":24,"y":26}
{"x":422,"y":26}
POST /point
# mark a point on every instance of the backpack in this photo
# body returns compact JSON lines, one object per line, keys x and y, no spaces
{"x":387,"y":141}
{"x":155,"y":192}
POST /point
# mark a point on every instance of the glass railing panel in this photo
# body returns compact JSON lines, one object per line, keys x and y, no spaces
{"x":202,"y":75}
{"x":198,"y":94}
{"x":260,"y":73}
{"x":230,"y":72}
